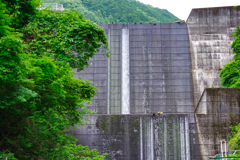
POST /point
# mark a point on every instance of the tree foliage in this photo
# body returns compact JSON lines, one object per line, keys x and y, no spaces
{"x":230,"y":74}
{"x":39,"y":97}
{"x":61,"y":34}
{"x":21,"y":11}
{"x":234,"y":143}
{"x":117,"y":11}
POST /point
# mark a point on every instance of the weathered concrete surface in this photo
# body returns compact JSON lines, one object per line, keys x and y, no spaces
{"x":148,"y":137}
{"x":211,"y":128}
{"x":168,"y":136}
{"x":219,"y":100}
{"x":97,"y":72}
{"x":163,"y":74}
{"x":139,"y":137}
{"x":218,"y":109}
{"x":210,"y":31}
{"x":168,"y":71}
{"x":159,"y":70}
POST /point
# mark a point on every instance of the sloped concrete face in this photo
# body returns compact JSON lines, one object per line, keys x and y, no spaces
{"x":138,"y":137}
{"x":210,"y":31}
{"x":149,"y":70}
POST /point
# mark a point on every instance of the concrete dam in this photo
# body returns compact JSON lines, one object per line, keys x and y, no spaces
{"x":163,"y":67}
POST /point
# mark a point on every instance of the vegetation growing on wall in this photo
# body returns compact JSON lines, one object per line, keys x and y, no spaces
{"x":39,"y":97}
{"x":117,"y":11}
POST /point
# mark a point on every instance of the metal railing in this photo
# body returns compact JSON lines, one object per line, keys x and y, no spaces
{"x":225,"y":158}
{"x":55,"y":6}
{"x":232,"y":152}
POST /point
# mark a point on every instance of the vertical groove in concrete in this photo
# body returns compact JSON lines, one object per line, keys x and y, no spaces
{"x":165,"y":138}
{"x":125,"y":87}
{"x":127,"y":139}
{"x":109,"y":74}
{"x":141,"y":140}
{"x":152,"y":139}
{"x":182,"y":136}
{"x":148,"y":138}
{"x":175,"y":142}
{"x":187,"y":138}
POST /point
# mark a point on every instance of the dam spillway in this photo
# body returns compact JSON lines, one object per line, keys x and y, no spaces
{"x":163,"y":67}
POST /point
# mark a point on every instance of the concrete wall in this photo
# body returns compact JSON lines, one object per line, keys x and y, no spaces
{"x":166,"y":67}
{"x":165,"y":136}
{"x":163,"y":67}
{"x":218,"y":109}
{"x":97,"y":72}
{"x":219,"y":100}
{"x":160,"y":69}
{"x":210,"y":31}
{"x":139,"y":137}
{"x":211,"y":128}
{"x":155,"y":76}
{"x":160,"y":137}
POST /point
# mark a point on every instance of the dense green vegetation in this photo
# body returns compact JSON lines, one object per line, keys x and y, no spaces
{"x":39,"y":97}
{"x":230,"y":74}
{"x":117,"y":11}
{"x":234,"y":142}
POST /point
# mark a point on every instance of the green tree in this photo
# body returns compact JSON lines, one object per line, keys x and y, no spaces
{"x":230,"y":74}
{"x":234,"y":142}
{"x":39,"y":97}
{"x":21,"y":10}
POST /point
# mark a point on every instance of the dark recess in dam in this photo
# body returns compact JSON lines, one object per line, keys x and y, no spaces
{"x":163,"y":67}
